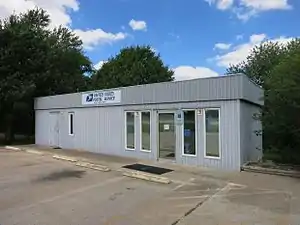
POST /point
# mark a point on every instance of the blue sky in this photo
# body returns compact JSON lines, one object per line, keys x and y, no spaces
{"x":196,"y":38}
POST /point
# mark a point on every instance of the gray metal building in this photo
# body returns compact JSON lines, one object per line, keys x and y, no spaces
{"x":204,"y":122}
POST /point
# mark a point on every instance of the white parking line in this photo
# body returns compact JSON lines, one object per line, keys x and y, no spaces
{"x":225,"y":194}
{"x":200,"y":190}
{"x":189,"y":197}
{"x":182,"y":184}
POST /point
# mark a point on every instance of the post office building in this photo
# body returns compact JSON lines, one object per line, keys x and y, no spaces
{"x":208,"y":122}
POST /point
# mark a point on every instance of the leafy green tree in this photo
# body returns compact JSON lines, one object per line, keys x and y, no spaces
{"x":284,"y":93}
{"x":262,"y":60}
{"x":132,"y":66}
{"x":258,"y":66}
{"x":262,"y":66}
{"x":36,"y":61}
{"x":259,"y":62}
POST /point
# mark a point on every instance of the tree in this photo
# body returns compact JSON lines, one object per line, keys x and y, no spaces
{"x":262,"y":66}
{"x":132,"y":66}
{"x":259,"y":62}
{"x":258,"y":66}
{"x":284,"y":92}
{"x":36,"y":61}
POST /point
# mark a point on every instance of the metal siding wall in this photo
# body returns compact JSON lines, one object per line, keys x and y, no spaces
{"x":98,"y":129}
{"x":229,"y":145}
{"x":206,"y":89}
{"x":101,"y":130}
{"x":251,"y":91}
{"x":245,"y":135}
{"x":230,"y":136}
{"x":41,"y":127}
{"x":251,"y":145}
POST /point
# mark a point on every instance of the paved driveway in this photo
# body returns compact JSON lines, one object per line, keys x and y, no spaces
{"x":40,"y":190}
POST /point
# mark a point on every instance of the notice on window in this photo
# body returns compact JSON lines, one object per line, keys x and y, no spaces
{"x":166,"y":127}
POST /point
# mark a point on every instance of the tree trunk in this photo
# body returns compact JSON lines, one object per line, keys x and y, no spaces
{"x":9,"y":131}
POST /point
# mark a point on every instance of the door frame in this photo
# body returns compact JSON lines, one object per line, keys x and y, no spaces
{"x":164,"y":111}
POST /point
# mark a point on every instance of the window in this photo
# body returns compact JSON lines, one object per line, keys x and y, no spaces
{"x":130,"y":130}
{"x":212,"y":133}
{"x":145,"y":131}
{"x":189,"y":133}
{"x":71,"y":123}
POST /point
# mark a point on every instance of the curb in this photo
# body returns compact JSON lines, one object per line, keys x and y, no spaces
{"x":254,"y":169}
{"x":31,"y":151}
{"x":148,"y":177}
{"x":66,"y":158}
{"x":93,"y":166}
{"x":132,"y":174}
{"x":13,"y":148}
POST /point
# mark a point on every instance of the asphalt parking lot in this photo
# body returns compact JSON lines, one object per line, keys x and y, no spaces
{"x":40,"y":190}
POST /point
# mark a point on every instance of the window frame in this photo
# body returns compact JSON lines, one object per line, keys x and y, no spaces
{"x":69,"y":123}
{"x":204,"y":128}
{"x":141,"y":131}
{"x":125,"y":129}
{"x":196,"y":134}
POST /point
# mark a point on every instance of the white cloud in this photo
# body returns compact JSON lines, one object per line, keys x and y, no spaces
{"x":224,"y":4}
{"x":222,"y":46}
{"x":221,"y":4}
{"x":245,"y":9}
{"x":264,"y":5}
{"x":138,"y":25}
{"x":92,"y":38}
{"x":189,"y":72}
{"x":257,"y":38}
{"x":59,"y":11}
{"x":240,"y":52}
{"x":99,"y":65}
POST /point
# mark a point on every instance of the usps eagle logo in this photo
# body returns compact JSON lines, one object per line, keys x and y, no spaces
{"x":89,"y":98}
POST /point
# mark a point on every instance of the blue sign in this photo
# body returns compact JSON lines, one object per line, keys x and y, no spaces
{"x":187,"y":132}
{"x":179,"y":117}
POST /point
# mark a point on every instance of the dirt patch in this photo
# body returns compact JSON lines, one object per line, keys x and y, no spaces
{"x":63,"y":174}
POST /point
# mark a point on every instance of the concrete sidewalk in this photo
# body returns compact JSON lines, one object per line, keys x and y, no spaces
{"x":113,"y":161}
{"x":116,"y":163}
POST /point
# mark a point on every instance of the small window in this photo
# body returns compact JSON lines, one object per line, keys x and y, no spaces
{"x":130,"y":130}
{"x":71,"y":123}
{"x":212,"y":133}
{"x":146,"y":131}
{"x":189,"y":133}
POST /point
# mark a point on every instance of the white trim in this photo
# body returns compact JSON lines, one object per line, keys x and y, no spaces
{"x":134,"y":135}
{"x":204,"y":122}
{"x":196,"y":134}
{"x":69,"y":123}
{"x":141,"y":137}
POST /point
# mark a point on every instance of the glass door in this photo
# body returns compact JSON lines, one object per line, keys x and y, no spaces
{"x":167,"y":137}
